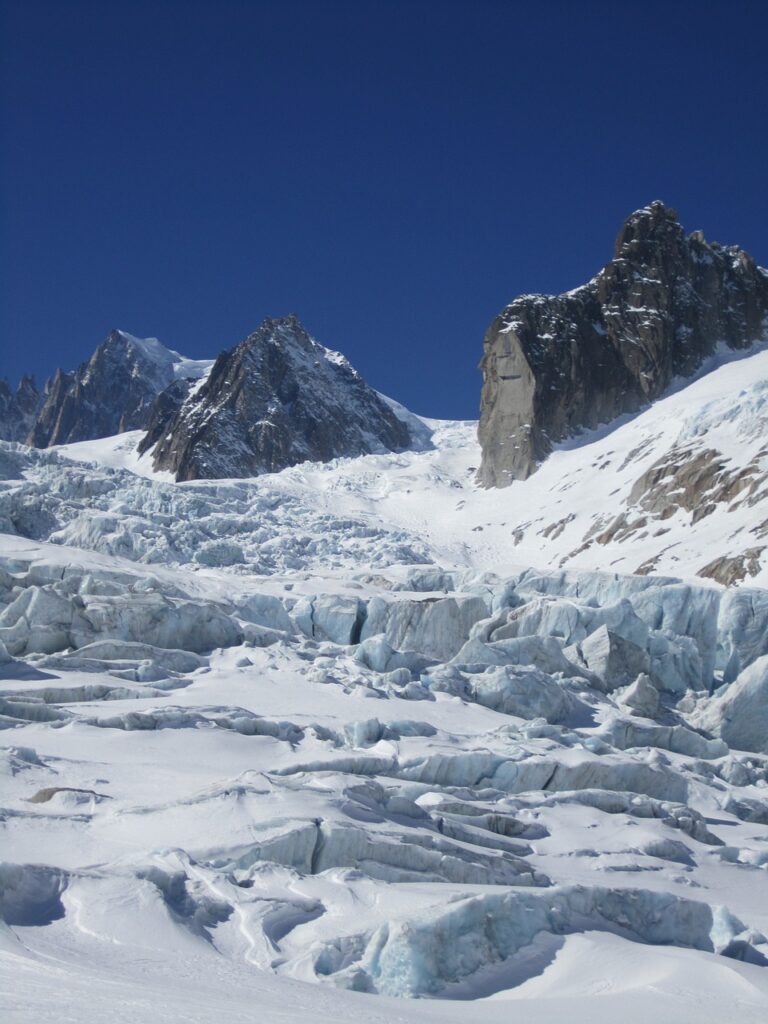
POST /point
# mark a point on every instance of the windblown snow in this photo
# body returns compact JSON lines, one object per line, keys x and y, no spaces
{"x":362,"y":741}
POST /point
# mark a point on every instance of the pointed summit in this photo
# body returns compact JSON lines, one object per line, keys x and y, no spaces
{"x":277,"y":399}
{"x":653,"y":224}
{"x":112,"y":392}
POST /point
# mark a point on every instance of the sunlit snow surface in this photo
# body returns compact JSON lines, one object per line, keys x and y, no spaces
{"x":294,"y":748}
{"x":181,"y":366}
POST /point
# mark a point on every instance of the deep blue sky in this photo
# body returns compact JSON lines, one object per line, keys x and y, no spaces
{"x":394,"y":172}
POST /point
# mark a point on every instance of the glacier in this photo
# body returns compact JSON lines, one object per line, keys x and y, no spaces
{"x":361,"y":740}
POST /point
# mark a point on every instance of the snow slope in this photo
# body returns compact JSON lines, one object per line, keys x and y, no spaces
{"x":319,"y":745}
{"x":165,"y":358}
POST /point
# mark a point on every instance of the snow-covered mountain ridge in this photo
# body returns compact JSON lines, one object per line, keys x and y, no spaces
{"x":277,"y":399}
{"x":553,"y":366}
{"x":679,"y":489}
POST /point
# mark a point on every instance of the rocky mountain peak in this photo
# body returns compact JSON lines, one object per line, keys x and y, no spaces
{"x":554,"y":365}
{"x":286,"y":338}
{"x":652,"y":226}
{"x":18,"y":408}
{"x":109,"y":393}
{"x":287,"y":330}
{"x":276,"y":399}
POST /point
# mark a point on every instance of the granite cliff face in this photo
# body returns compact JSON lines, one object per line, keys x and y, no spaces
{"x":18,"y":409}
{"x":110,"y":393}
{"x":277,"y":399}
{"x":556,"y":364}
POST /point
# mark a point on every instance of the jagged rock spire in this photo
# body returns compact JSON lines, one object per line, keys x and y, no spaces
{"x":555,"y":364}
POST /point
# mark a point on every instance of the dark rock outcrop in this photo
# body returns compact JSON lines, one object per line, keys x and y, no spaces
{"x":112,"y":392}
{"x":162,"y":411}
{"x":277,"y":399}
{"x":18,"y":409}
{"x":556,"y":364}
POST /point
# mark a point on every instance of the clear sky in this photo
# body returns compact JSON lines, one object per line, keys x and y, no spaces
{"x":394,"y":171}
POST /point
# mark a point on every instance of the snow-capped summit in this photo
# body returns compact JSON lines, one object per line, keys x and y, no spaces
{"x":165,"y":358}
{"x":110,"y":393}
{"x":555,"y":364}
{"x":276,"y":399}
